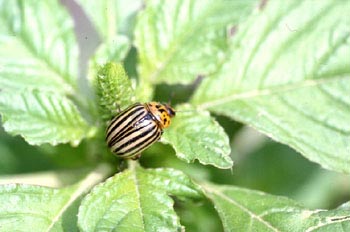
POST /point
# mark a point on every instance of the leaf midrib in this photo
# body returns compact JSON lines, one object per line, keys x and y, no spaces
{"x":271,"y":90}
{"x":240,"y":206}
{"x":138,"y":194}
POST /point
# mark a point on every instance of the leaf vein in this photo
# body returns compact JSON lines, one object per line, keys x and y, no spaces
{"x":312,"y":118}
{"x":295,"y":37}
{"x":327,"y":55}
{"x":329,"y":221}
{"x":271,"y":90}
{"x":335,"y":98}
{"x":243,"y":208}
{"x":138,"y":196}
{"x":186,"y":34}
{"x":260,"y":41}
{"x":298,"y":142}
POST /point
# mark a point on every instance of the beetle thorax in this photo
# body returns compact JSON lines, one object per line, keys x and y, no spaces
{"x":161,"y":112}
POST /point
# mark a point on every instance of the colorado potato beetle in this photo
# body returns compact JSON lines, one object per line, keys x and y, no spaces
{"x":138,"y":127}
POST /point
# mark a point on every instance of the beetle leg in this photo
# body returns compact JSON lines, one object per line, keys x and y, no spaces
{"x":136,"y":157}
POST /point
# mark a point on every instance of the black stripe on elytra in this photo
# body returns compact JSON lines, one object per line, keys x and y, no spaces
{"x":120,"y":119}
{"x":126,"y":133}
{"x":129,"y":128}
{"x":130,"y":124}
{"x":136,"y":138}
{"x":149,"y":142}
{"x":143,"y":144}
{"x":127,"y":113}
{"x":124,"y":111}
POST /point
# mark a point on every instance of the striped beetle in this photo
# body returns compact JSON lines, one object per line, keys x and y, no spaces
{"x":137,"y":127}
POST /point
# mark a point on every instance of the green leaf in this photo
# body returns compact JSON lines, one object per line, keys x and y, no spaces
{"x":194,"y":134}
{"x":42,"y":117}
{"x":179,"y":40}
{"x":111,"y":17}
{"x":136,"y":200}
{"x":113,"y":89}
{"x":109,"y":51}
{"x":43,"y":208}
{"x":248,"y":210}
{"x":114,"y":50}
{"x":37,"y":46}
{"x":289,"y":77}
{"x":38,"y":208}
